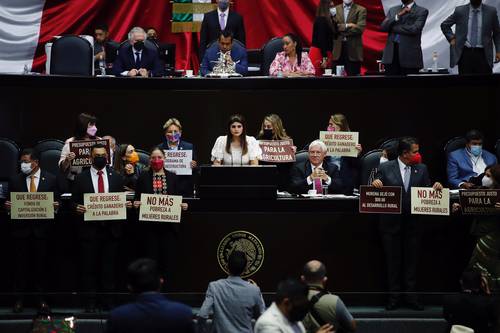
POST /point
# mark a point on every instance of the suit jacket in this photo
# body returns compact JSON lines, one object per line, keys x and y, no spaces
{"x":145,"y":184}
{"x":300,"y":171}
{"x":357,"y":15}
{"x":185,"y":183}
{"x":151,"y":313}
{"x":274,"y":321}
{"x":460,"y":18}
{"x":150,"y":60}
{"x":47,"y":183}
{"x":83,"y":184}
{"x":390,"y":175}
{"x":238,"y":53}
{"x":478,"y":312}
{"x":460,"y":166}
{"x":210,"y":28}
{"x":409,"y":28}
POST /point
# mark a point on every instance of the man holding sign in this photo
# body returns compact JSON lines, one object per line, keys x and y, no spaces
{"x":399,"y":232}
{"x":98,"y":240}
{"x":30,"y":235}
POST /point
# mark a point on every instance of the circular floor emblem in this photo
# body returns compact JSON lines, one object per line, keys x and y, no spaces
{"x":245,"y":242}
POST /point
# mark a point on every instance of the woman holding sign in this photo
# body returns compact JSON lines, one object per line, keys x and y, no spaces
{"x":236,"y":148}
{"x":160,"y":239}
{"x":272,"y":130}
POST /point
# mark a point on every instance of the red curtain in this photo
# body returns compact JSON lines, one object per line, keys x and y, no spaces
{"x":264,"y":19}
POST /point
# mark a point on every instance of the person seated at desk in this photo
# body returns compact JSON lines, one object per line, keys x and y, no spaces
{"x":137,"y":58}
{"x":234,"y":53}
{"x":292,"y":61}
{"x":236,"y":148}
{"x":468,"y":162}
{"x":315,"y":172}
{"x":101,"y":35}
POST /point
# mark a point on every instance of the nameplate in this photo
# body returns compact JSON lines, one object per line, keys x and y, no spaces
{"x":386,"y":200}
{"x":160,"y":208}
{"x":179,"y":161}
{"x":32,"y":205}
{"x":82,"y":150}
{"x":105,"y":206}
{"x":277,"y":151}
{"x":479,"y":202}
{"x":340,"y":143}
{"x":428,"y":201}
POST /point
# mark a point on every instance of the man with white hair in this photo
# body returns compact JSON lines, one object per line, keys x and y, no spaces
{"x":315,"y":173}
{"x":137,"y":58}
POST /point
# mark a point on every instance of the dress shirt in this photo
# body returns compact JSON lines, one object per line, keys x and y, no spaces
{"x":402,"y":168}
{"x":403,"y":6}
{"x":327,"y":182}
{"x":37,"y":179}
{"x":478,"y":164}
{"x":226,"y":14}
{"x":479,"y":26}
{"x":347,"y":10}
{"x":95,"y":179}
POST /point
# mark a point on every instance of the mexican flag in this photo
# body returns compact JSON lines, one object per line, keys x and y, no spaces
{"x":187,"y":15}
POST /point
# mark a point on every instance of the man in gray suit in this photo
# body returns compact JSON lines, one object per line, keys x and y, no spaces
{"x":403,"y":51}
{"x":471,"y":46}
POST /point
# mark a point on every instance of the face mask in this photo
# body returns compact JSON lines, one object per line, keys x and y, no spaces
{"x":347,"y":2}
{"x":416,"y":159}
{"x":223,"y":5}
{"x":156,"y":165}
{"x":174,"y":137}
{"x":139,"y":45}
{"x":100,"y":162}
{"x":133,"y":158}
{"x":26,"y":168}
{"x":268,"y":134}
{"x":333,"y":11}
{"x":383,"y":160}
{"x":476,"y":150}
{"x":475,"y":3}
{"x":330,"y":128}
{"x":487,"y":181}
{"x":297,"y":313}
{"x":405,"y":2}
{"x":92,"y":130}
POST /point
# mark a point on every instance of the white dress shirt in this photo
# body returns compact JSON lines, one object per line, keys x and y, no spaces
{"x":478,"y":164}
{"x":95,"y":179}
{"x":402,"y":168}
{"x":226,"y":14}
{"x":309,"y":180}
{"x":37,"y":179}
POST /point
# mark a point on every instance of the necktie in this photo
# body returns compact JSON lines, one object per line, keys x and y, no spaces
{"x":474,"y":27}
{"x":138,"y":60}
{"x":100,"y":182}
{"x":32,"y":184}
{"x":317,"y":185}
{"x":406,"y":179}
{"x":222,"y":21}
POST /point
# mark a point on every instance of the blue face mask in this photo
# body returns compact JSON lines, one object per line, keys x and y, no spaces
{"x":223,"y":4}
{"x":476,"y":150}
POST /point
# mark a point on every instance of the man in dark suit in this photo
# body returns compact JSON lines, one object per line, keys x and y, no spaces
{"x":468,"y":162}
{"x":151,"y":312}
{"x":476,"y":30}
{"x":399,"y":232}
{"x":403,"y":51}
{"x":101,"y":35}
{"x":315,"y":172}
{"x":138,"y":57}
{"x":98,"y":240}
{"x":225,"y":44}
{"x":474,"y":307}
{"x":220,"y":19}
{"x":31,"y":237}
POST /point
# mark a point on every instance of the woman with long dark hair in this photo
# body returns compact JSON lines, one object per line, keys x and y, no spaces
{"x":324,"y":31}
{"x":127,"y":164}
{"x":292,"y":61}
{"x":236,"y":148}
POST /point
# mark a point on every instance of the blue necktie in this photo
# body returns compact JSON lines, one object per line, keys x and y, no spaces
{"x":406,"y":179}
{"x":138,"y":60}
{"x":474,"y":27}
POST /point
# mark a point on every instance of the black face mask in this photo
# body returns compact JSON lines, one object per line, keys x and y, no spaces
{"x":475,"y":3}
{"x":268,"y":134}
{"x":100,"y":162}
{"x":139,"y":45}
{"x":298,"y":312}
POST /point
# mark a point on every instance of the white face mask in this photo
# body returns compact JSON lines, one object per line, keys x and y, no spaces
{"x":333,"y":11}
{"x":487,"y":181}
{"x":383,"y":159}
{"x":26,"y":168}
{"x":347,"y":2}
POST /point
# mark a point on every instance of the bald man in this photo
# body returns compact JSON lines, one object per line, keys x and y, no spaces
{"x":326,"y":308}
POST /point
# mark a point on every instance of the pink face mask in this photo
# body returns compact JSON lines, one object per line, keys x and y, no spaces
{"x":92,"y":130}
{"x":330,"y":128}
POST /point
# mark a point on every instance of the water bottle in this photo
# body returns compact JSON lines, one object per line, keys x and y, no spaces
{"x":435,"y":62}
{"x":280,"y":72}
{"x":26,"y":69}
